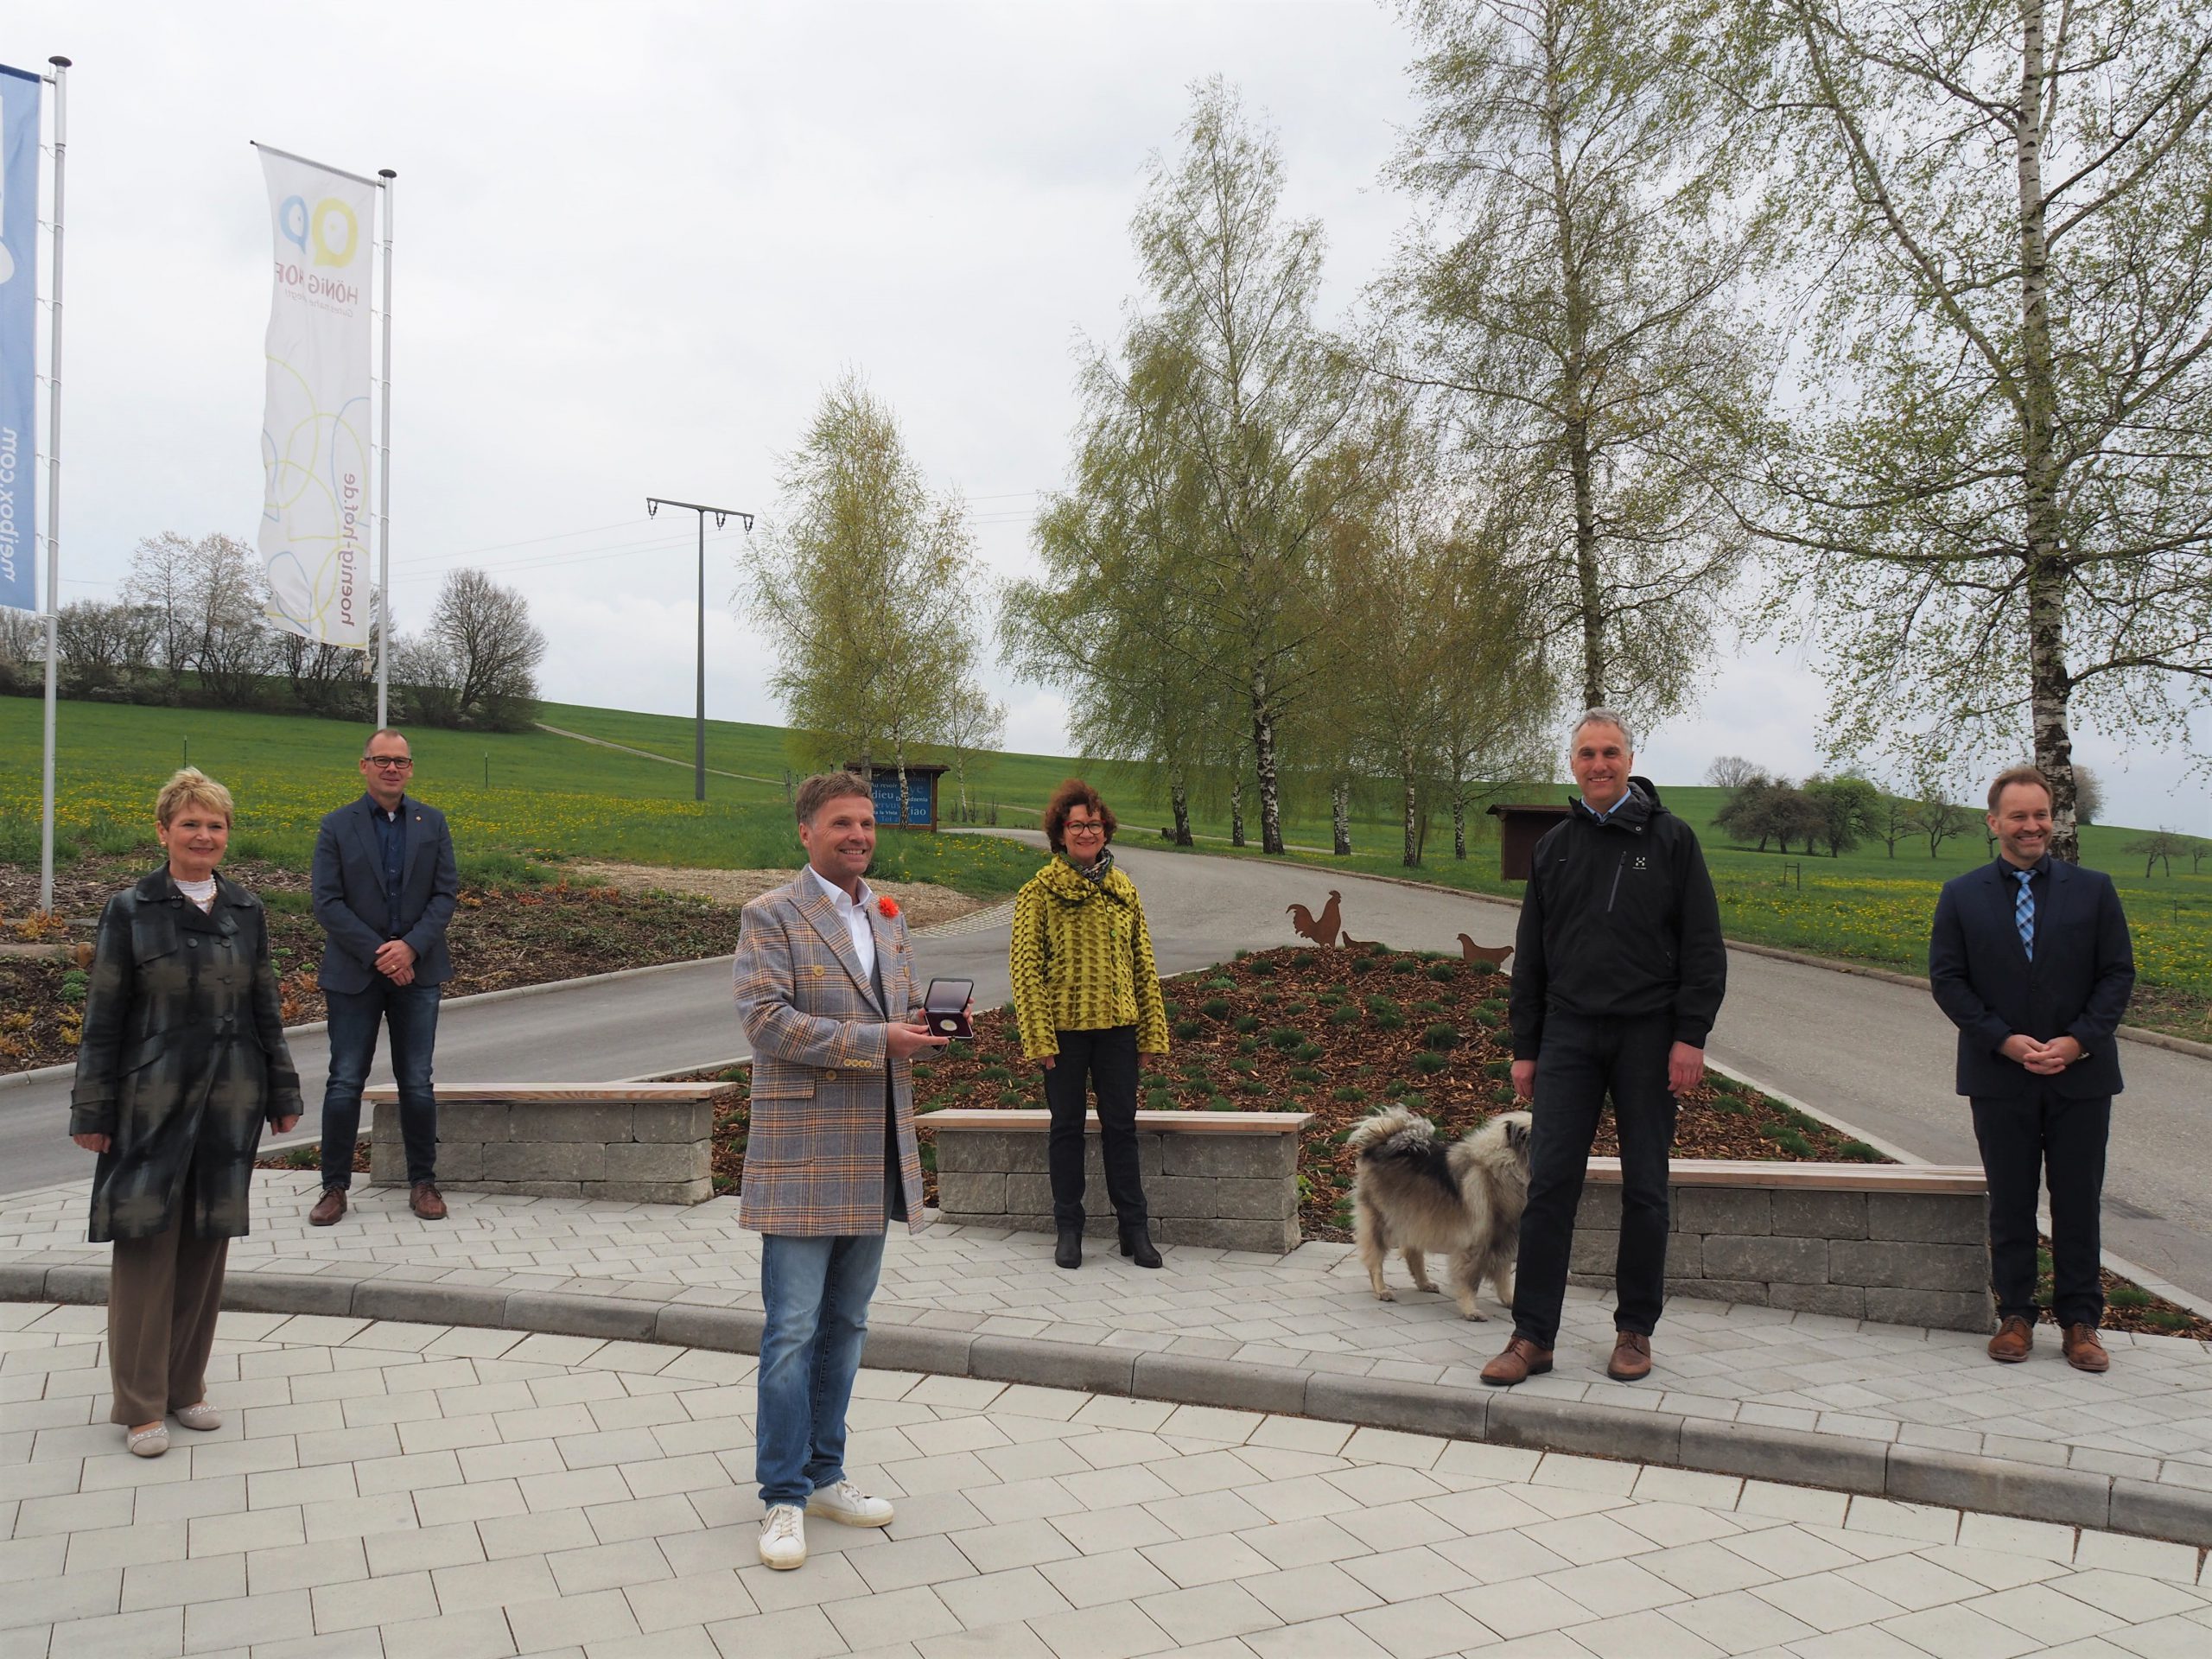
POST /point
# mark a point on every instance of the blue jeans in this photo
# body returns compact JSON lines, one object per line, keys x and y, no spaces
{"x":411,"y":1013}
{"x":815,"y":1294}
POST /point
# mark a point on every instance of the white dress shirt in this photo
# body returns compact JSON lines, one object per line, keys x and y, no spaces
{"x":853,"y":913}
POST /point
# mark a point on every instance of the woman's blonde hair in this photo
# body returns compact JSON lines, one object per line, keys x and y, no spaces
{"x":191,"y":787}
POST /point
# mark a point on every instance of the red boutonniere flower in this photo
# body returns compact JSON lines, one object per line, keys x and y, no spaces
{"x":889,"y":908}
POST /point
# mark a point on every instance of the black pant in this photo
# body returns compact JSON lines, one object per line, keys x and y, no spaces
{"x":2026,"y":1140}
{"x":1581,"y":1061}
{"x":1109,"y":1059}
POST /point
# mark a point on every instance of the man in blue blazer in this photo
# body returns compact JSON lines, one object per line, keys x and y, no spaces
{"x":384,"y":886}
{"x":2031,"y":960}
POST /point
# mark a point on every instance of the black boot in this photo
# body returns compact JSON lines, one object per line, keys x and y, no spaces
{"x":1068,"y":1253}
{"x":1136,"y":1243}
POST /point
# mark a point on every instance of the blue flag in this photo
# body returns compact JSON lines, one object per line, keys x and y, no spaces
{"x":19,"y":92}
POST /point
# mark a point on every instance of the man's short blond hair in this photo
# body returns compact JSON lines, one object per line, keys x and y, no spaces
{"x":825,"y":787}
{"x":191,"y":787}
{"x":2011,"y":775}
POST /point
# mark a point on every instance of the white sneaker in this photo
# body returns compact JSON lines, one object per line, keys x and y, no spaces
{"x":846,"y":1502}
{"x":783,"y":1537}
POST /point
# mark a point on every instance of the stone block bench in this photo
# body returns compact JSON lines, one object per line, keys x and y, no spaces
{"x":621,"y":1143}
{"x":1227,"y":1179}
{"x":1902,"y":1244}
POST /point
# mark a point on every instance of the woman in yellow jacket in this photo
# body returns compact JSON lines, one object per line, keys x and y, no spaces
{"x":1086,"y":997}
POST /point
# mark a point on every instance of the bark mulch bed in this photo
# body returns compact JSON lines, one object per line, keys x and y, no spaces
{"x":503,"y":935}
{"x":1339,"y":1032}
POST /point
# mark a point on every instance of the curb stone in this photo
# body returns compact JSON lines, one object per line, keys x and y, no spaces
{"x":1798,"y":1456}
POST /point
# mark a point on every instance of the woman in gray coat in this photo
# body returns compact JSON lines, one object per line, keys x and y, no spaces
{"x":183,"y":1060}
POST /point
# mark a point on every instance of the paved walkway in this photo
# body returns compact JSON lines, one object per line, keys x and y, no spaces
{"x":424,"y":1491}
{"x":1848,"y":1394}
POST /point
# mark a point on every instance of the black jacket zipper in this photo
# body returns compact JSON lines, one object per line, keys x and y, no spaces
{"x":1615,"y":892}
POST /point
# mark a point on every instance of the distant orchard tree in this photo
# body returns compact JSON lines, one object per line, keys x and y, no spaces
{"x":1846,"y":808}
{"x":104,"y":645}
{"x":1732,"y":772}
{"x":476,"y":662}
{"x":2158,"y":849}
{"x":2088,"y":795}
{"x":973,"y":722}
{"x":1891,"y":821}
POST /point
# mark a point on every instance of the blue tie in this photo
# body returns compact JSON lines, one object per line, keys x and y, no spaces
{"x":2024,"y":913}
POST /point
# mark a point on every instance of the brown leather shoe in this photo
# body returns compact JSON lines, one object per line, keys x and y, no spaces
{"x":2013,"y":1341}
{"x":422,"y":1199}
{"x":328,"y":1207}
{"x":2084,"y":1351}
{"x":1522,"y":1360}
{"x":1631,"y":1360}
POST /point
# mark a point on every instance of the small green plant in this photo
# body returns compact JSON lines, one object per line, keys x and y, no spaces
{"x":1012,"y":1097}
{"x":1243,"y":1068}
{"x":1215,"y":1007}
{"x":1221,"y":983}
{"x":75,"y":984}
{"x":1344,"y":1015}
{"x":1428,"y":1062}
{"x":1388,"y":1020}
{"x":923,"y":1069}
{"x":2129,"y":1296}
{"x":1248,"y":1044}
{"x":1285,"y":1038}
{"x":1248,"y":1022}
{"x":1252,"y":1086}
{"x":1441,"y":1036}
{"x":1306,"y":1052}
{"x":1444,"y":972}
{"x":1857,"y":1152}
{"x":1429,"y":1004}
{"x":1304,"y":1074}
{"x":995,"y":1074}
{"x":1186,"y":1029}
{"x":1788,"y":1139}
{"x":1160,"y":1101}
{"x":1405,"y":965}
{"x":1351,"y":1094}
{"x":1260,"y":966}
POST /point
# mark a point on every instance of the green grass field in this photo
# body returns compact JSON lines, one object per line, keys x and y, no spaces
{"x":511,"y":799}
{"x":534,"y":796}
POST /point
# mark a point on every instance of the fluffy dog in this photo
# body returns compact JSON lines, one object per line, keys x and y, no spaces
{"x":1461,"y":1198}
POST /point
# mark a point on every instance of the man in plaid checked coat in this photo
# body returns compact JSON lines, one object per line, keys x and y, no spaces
{"x":827,"y":992}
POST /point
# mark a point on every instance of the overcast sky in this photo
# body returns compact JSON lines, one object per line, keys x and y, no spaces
{"x":635,"y":243}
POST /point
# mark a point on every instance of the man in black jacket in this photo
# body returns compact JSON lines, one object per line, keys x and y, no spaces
{"x":385,"y":885}
{"x":1618,"y":971}
{"x":2030,"y":959}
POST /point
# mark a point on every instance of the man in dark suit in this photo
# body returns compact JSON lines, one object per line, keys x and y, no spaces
{"x":384,"y":886}
{"x":2032,"y":960}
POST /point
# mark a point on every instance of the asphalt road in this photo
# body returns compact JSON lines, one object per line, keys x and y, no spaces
{"x":1876,"y":1055}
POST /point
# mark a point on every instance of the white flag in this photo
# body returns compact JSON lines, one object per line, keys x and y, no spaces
{"x":315,"y":427}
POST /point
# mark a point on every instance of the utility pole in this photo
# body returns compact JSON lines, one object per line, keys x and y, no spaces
{"x":653,"y":505}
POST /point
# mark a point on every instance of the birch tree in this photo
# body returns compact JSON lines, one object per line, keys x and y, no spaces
{"x":1573,"y":297}
{"x":1999,"y":506}
{"x":1107,"y":623}
{"x":867,"y":585}
{"x":1257,"y":408}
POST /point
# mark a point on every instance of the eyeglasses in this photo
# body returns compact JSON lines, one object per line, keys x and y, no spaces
{"x":388,"y":762}
{"x":1083,"y":827}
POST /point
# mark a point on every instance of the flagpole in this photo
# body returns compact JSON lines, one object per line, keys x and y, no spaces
{"x":53,"y":501}
{"x":383,"y":476}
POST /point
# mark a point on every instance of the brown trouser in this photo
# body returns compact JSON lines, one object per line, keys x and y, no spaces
{"x":162,"y":1295}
